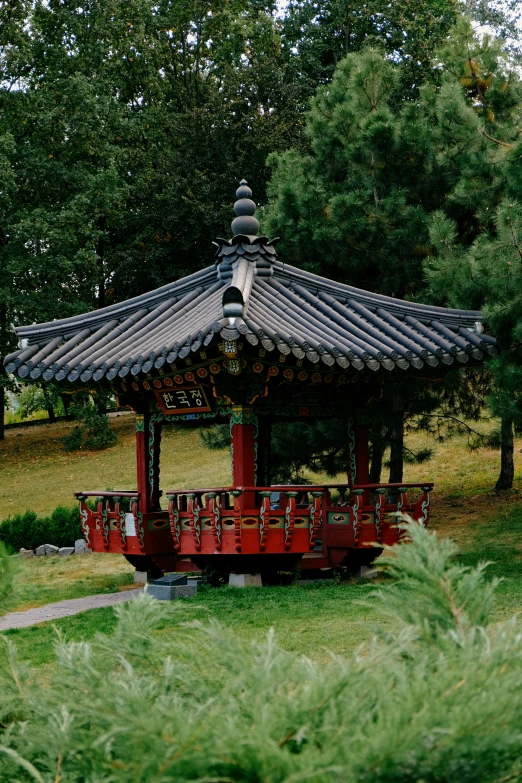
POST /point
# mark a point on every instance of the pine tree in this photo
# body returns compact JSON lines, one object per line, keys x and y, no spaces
{"x":475,"y":265}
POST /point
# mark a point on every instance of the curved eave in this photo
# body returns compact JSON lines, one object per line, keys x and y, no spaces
{"x":96,"y":319}
{"x":282,"y":307}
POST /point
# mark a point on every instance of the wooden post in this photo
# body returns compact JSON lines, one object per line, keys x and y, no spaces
{"x":244,"y":433}
{"x":148,"y":438}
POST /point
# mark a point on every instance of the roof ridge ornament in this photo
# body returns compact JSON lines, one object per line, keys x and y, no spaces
{"x":244,"y":223}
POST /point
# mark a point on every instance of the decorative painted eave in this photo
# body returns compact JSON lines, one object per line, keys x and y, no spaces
{"x":249,"y":293}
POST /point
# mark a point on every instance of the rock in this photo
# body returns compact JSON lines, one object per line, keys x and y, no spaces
{"x":166,"y":592}
{"x":66,"y":550}
{"x":27,"y":552}
{"x":245,"y":580}
{"x":81,"y":548}
{"x":40,"y":551}
{"x":50,"y":549}
{"x":194,"y":581}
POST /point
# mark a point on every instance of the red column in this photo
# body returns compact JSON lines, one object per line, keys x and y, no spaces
{"x":243,"y":429}
{"x":148,"y":436}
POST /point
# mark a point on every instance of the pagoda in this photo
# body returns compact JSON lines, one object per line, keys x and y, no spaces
{"x":250,"y":341}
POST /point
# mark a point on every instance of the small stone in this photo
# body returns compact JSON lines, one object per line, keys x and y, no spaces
{"x":50,"y":549}
{"x":65,"y":551}
{"x":27,"y":552}
{"x":40,"y":551}
{"x":245,"y":580}
{"x":81,"y":548}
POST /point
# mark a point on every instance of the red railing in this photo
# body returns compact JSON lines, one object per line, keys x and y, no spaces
{"x":292,"y":518}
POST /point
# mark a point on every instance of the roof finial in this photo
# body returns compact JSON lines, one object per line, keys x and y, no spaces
{"x":245,"y":222}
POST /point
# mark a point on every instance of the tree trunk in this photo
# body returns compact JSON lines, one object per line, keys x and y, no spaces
{"x":2,"y":413}
{"x":507,"y":467}
{"x":100,"y":252}
{"x":66,"y":406}
{"x":49,"y":405}
{"x":397,"y":439}
{"x":376,"y":463}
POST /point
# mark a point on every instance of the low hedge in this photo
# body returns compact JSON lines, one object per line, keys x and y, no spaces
{"x":28,"y":530}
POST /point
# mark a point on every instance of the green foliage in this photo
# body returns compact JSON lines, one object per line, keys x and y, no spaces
{"x":38,"y":397}
{"x":93,"y":432}
{"x":323,"y":32}
{"x":28,"y":530}
{"x":437,"y":700}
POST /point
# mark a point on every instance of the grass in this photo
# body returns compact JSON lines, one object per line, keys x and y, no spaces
{"x":44,"y":580}
{"x":36,"y":473}
{"x":310,"y":620}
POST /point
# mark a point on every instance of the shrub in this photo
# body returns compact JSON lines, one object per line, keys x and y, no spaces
{"x":28,"y":530}
{"x":93,"y":433}
{"x":436,"y":697}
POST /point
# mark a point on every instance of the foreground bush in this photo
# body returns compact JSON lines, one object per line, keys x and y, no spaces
{"x":437,"y":696}
{"x":28,"y":530}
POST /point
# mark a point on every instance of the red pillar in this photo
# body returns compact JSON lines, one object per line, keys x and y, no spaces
{"x":148,"y":435}
{"x":243,"y":430}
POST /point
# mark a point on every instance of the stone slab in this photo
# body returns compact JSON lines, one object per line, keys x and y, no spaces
{"x":170,"y":592}
{"x":40,"y":551}
{"x":27,"y":552}
{"x":65,"y":551}
{"x":171,"y":579}
{"x":245,"y":580}
{"x":51,"y":549}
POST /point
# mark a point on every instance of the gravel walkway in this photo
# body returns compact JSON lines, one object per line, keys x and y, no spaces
{"x":63,"y":609}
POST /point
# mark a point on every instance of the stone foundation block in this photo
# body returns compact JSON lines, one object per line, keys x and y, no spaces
{"x":40,"y":551}
{"x":50,"y":549}
{"x":27,"y":552}
{"x":365,"y":572}
{"x":245,"y":580}
{"x":65,"y":551}
{"x":143,"y":578}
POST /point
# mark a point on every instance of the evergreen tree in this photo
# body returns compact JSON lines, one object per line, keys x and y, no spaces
{"x":481,"y":271}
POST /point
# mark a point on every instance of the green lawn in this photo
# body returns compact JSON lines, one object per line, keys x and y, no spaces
{"x":311,"y":620}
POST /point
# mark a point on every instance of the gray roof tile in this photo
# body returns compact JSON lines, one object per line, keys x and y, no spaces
{"x":249,"y":292}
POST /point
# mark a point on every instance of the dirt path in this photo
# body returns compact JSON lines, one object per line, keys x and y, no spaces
{"x":63,"y":609}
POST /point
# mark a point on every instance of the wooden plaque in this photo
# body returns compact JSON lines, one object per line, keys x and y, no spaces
{"x":184,"y":399}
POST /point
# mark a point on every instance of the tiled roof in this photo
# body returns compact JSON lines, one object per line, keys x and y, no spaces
{"x":249,"y":292}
